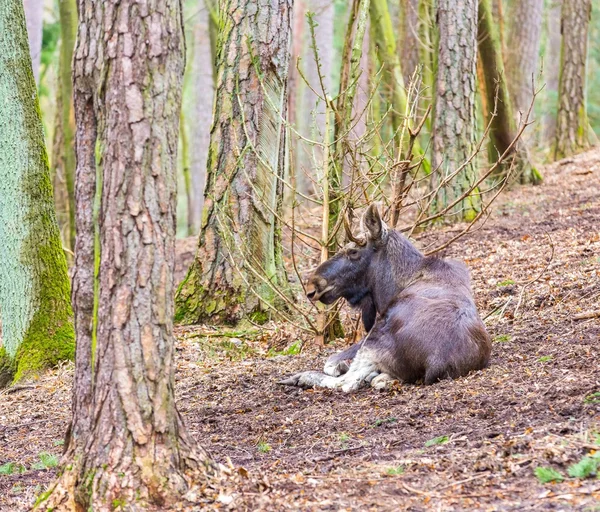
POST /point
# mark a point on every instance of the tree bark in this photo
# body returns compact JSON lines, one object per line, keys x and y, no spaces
{"x":238,"y":269}
{"x":34,"y":15}
{"x":522,"y":54}
{"x":34,"y":285}
{"x":503,"y":127}
{"x":572,"y":123}
{"x":63,"y":151}
{"x":202,"y":73}
{"x":409,"y":41}
{"x":127,"y":445}
{"x":454,"y":113}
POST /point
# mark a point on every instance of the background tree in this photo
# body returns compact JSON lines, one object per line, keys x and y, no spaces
{"x":63,"y":150}
{"x":34,"y":16}
{"x":572,"y":123}
{"x":409,"y":37}
{"x":239,"y":266}
{"x":551,"y":70}
{"x":200,"y":73}
{"x":503,"y":125}
{"x":127,"y":443}
{"x":454,"y":123}
{"x":37,"y":328}
{"x":522,"y":54}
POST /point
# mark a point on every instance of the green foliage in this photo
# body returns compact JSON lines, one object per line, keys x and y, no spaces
{"x":594,"y":398}
{"x":506,"y":282}
{"x":546,"y":475}
{"x":502,"y":338}
{"x":586,"y":467}
{"x":11,"y":468}
{"x":398,"y":470}
{"x":382,"y":421}
{"x":292,"y":350}
{"x":344,"y":437}
{"x":47,"y":461}
{"x":264,"y":447}
{"x":545,"y":359}
{"x":437,"y":440}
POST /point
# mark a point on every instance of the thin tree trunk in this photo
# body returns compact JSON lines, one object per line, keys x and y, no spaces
{"x":454,"y":112}
{"x":552,"y":69}
{"x":127,"y":444}
{"x":521,"y":58}
{"x":409,"y":42}
{"x":34,"y":286}
{"x":503,"y":127}
{"x":572,"y":123}
{"x":203,"y":84}
{"x":239,"y":248}
{"x":63,"y":151}
{"x":34,"y":15}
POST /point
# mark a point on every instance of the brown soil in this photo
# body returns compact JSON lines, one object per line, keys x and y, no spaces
{"x":536,"y":263}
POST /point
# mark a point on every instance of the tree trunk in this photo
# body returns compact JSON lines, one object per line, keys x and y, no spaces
{"x":63,"y":151}
{"x":34,"y":16}
{"x":521,"y":56}
{"x":409,"y":41}
{"x":551,"y":70}
{"x":127,"y":445}
{"x":203,"y":84}
{"x":34,"y":286}
{"x":238,"y":269}
{"x":503,"y":128}
{"x":454,"y":113}
{"x":572,"y":123}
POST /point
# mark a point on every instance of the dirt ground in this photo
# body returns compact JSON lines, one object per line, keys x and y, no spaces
{"x":469,"y":444}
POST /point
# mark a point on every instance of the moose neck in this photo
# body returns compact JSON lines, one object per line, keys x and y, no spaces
{"x":395,"y":266}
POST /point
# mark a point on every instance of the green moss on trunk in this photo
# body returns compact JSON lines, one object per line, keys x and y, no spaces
{"x":34,"y":284}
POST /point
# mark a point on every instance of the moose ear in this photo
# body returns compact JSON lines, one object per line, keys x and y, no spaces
{"x":372,"y":222}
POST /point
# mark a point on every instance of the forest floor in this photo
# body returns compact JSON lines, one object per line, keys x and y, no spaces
{"x":469,"y":444}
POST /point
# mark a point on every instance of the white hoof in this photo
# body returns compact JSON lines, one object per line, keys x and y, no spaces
{"x":382,"y":382}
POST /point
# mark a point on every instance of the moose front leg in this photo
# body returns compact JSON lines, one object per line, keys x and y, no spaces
{"x":361,"y":369}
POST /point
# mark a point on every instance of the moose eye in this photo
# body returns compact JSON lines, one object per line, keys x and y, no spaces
{"x":353,"y":254}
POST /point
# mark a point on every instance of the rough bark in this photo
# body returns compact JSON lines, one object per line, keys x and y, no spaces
{"x":572,"y":123}
{"x":409,"y":41}
{"x":34,"y":286}
{"x":503,"y":126}
{"x":63,"y":150}
{"x":202,"y":81}
{"x":522,"y":54}
{"x":552,"y":68}
{"x":34,"y":15}
{"x":454,"y":113}
{"x":127,"y":445}
{"x":239,"y":247}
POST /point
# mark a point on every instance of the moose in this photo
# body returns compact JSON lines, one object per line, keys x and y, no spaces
{"x":419,"y":313}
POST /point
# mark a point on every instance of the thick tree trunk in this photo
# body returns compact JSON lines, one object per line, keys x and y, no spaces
{"x":127,"y":444}
{"x":551,"y":69}
{"x":454,"y":113}
{"x":521,"y":58}
{"x":34,"y":15}
{"x":34,"y":286}
{"x":409,"y":41}
{"x":63,"y":151}
{"x":239,"y":250}
{"x":503,"y":126}
{"x":203,"y":84}
{"x":572,"y":123}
